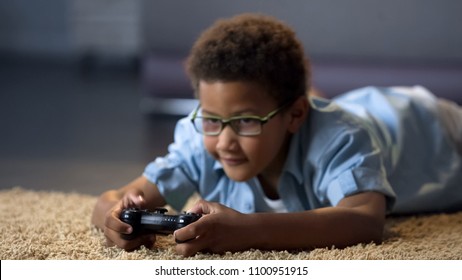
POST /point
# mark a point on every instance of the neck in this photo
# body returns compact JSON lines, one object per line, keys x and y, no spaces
{"x":269,"y":178}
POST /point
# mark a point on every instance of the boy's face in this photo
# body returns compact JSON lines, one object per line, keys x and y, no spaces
{"x":244,"y":157}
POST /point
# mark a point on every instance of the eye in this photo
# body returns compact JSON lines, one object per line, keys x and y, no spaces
{"x":211,"y":121}
{"x":211,"y":124}
{"x":245,"y":122}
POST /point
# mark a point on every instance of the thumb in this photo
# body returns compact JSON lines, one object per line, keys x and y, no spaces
{"x":203,"y":207}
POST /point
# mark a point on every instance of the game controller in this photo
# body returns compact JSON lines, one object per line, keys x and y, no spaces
{"x":144,"y":221}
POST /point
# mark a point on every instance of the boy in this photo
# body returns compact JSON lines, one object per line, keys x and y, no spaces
{"x":277,"y":170}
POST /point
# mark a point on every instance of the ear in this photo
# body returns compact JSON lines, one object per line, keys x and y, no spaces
{"x":298,"y":113}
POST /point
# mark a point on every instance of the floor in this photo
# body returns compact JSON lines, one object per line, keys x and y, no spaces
{"x":67,"y":130}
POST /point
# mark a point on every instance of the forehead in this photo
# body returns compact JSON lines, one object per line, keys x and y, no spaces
{"x":229,"y":97}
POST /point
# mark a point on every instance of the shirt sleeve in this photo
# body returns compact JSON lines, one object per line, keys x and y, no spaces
{"x":176,"y":175}
{"x":351,"y":163}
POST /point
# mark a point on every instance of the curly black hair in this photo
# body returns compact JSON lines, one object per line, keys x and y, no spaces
{"x":251,"y":48}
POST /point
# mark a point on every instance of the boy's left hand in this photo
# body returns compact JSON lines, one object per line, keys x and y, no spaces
{"x":219,"y":230}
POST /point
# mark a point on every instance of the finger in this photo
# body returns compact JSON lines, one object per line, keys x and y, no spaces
{"x":202,"y":207}
{"x":109,"y":242}
{"x":191,"y":248}
{"x":114,"y":238}
{"x":149,"y":241}
{"x":114,"y":223}
{"x":134,"y":199}
{"x":186,"y":234}
{"x":191,"y":231}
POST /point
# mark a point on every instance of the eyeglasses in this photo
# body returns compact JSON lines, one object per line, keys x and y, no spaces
{"x":242,"y":125}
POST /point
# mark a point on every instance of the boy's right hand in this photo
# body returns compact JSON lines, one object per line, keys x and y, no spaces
{"x":114,"y":227}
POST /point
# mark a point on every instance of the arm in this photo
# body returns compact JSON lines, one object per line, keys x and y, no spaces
{"x":109,"y":205}
{"x":358,"y":218}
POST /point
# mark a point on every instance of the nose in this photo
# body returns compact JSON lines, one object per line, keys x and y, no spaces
{"x":227,"y":139}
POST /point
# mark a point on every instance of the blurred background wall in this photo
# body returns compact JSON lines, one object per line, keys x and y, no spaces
{"x":370,"y":29}
{"x":364,"y":29}
{"x":367,"y":29}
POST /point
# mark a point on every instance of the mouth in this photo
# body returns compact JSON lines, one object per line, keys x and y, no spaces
{"x":232,"y":161}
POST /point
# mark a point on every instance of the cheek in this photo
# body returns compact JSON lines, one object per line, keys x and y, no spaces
{"x":210,"y":144}
{"x":271,"y":141}
{"x":253,"y":148}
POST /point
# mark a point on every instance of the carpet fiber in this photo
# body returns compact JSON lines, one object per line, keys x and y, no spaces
{"x":54,"y":225}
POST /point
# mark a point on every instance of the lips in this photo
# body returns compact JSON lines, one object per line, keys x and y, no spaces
{"x":232,"y":161}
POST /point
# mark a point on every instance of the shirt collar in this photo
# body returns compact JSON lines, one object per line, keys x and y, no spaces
{"x":294,"y":162}
{"x":217,"y":167}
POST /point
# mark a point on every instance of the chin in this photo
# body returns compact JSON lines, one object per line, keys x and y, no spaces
{"x":238,"y":176}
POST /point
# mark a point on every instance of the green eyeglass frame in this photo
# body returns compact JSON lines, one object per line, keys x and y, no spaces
{"x":233,"y":122}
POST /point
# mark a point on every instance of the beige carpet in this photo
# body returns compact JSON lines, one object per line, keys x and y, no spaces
{"x":53,"y":225}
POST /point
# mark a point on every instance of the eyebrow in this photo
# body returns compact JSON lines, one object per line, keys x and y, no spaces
{"x":245,"y":112}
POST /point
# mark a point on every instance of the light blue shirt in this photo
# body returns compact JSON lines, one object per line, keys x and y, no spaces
{"x":388,"y":140}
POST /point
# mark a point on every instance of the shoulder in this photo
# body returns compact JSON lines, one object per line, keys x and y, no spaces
{"x":329,"y":118}
{"x":399,"y":98}
{"x":186,"y":135}
{"x":330,"y":128}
